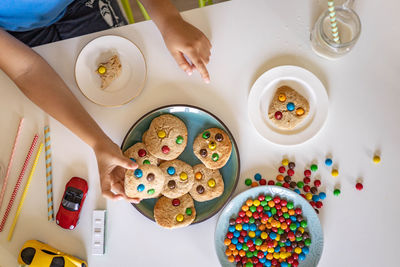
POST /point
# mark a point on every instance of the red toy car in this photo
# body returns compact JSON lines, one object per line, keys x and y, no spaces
{"x":72,"y":202}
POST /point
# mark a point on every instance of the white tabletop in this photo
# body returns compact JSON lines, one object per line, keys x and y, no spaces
{"x":249,"y":38}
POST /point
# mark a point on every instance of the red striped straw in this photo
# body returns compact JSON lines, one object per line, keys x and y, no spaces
{"x":17,"y":185}
{"x":3,"y":189}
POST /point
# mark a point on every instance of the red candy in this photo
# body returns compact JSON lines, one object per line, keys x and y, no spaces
{"x":254,"y":260}
{"x":359,"y":186}
{"x":274,"y":262}
{"x":165,"y":149}
{"x":312,"y":203}
{"x":176,"y":202}
{"x":307,"y":173}
{"x":261,"y":197}
{"x":317,"y":183}
{"x":259,"y":264}
{"x":229,"y":235}
{"x":242,"y":213}
{"x":297,"y":211}
{"x":306,"y":188}
{"x":283,"y":203}
{"x":260,"y":209}
{"x":306,"y":180}
{"x":238,"y":258}
{"x":249,"y":243}
{"x":240,"y":239}
{"x":271,"y":182}
{"x":142,"y":153}
{"x":262,"y":182}
{"x":290,"y":172}
{"x":295,"y":263}
{"x":286,"y":185}
{"x":246,"y":219}
{"x":243,"y":233}
{"x":252,"y":249}
{"x":282,"y":169}
{"x":255,"y":215}
{"x":319,"y":204}
{"x":277,"y":200}
{"x":278,"y":115}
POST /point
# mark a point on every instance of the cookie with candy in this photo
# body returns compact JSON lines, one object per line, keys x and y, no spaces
{"x":147,"y":181}
{"x":208,"y":184}
{"x":179,"y":178}
{"x":138,"y":152}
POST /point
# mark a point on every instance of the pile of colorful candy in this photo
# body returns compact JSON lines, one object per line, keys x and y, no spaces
{"x":269,"y":231}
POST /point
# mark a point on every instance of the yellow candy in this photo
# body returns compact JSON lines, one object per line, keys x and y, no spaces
{"x":161,"y":134}
{"x":101,"y":70}
{"x":183,"y":176}
{"x":285,"y":162}
{"x":308,"y":196}
{"x":212,"y":145}
{"x":297,"y":250}
{"x":301,"y":229}
{"x":299,"y":111}
{"x":211,"y":183}
{"x":256,"y":202}
{"x":238,"y":227}
{"x":198,"y":175}
{"x":335,"y":173}
{"x":282,"y":97}
{"x":252,"y":234}
{"x":277,"y":255}
{"x":278,"y":236}
{"x":179,"y":218}
{"x":376,"y":159}
{"x":264,"y":235}
{"x":270,"y":250}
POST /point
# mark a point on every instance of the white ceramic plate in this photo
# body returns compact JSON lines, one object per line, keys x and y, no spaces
{"x":305,"y":83}
{"x":123,"y":89}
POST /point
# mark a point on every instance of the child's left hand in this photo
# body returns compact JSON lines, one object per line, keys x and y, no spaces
{"x":182,"y":38}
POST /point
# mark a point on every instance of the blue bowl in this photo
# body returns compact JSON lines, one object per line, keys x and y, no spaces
{"x":234,"y":206}
{"x":196,"y":120}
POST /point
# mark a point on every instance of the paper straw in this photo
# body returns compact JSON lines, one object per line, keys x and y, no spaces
{"x":334,"y":28}
{"x":17,"y":185}
{"x":21,"y":202}
{"x":3,"y":188}
{"x":49,"y":174}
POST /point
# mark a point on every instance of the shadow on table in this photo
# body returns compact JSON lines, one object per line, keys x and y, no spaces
{"x":295,"y":60}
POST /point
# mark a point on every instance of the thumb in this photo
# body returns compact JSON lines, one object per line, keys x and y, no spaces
{"x":126,"y":163}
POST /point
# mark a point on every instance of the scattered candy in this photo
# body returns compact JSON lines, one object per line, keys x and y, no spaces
{"x":335,"y":173}
{"x":336,"y":192}
{"x":292,"y":165}
{"x":262,"y":182}
{"x":359,"y":186}
{"x":257,"y":177}
{"x":317,"y":183}
{"x":376,"y":159}
{"x":290,"y":172}
{"x":322,"y":195}
{"x":282,"y":169}
{"x":254,"y":184}
{"x":285,"y":162}
{"x":328,"y":162}
{"x":314,"y":167}
{"x":248,"y":182}
{"x":307,"y":173}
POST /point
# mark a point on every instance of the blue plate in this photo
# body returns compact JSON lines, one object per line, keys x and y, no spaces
{"x":233,"y":207}
{"x":196,"y":120}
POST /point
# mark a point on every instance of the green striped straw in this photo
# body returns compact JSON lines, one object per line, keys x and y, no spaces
{"x":332,"y":15}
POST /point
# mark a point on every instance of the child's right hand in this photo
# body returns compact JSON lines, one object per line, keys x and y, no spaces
{"x":182,"y":38}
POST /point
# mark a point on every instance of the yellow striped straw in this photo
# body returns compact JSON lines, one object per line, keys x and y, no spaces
{"x":334,"y":28}
{"x":21,"y":202}
{"x":49,"y":174}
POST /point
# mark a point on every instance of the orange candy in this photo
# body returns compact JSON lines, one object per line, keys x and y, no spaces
{"x":261,"y":227}
{"x":232,"y":247}
{"x":283,"y":226}
{"x":249,"y":213}
{"x":228,"y":252}
{"x":235,"y":252}
{"x":271,"y":203}
{"x":245,"y":208}
{"x":284,"y":209}
{"x":291,"y":212}
{"x":231,"y":258}
{"x":227,"y":242}
{"x":264,"y":247}
{"x":249,"y":202}
{"x":242,"y":253}
{"x":269,"y":256}
{"x":254,"y":184}
{"x":279,"y":177}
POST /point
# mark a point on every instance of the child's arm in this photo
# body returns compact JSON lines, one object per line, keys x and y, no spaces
{"x":180,"y":37}
{"x":42,"y":85}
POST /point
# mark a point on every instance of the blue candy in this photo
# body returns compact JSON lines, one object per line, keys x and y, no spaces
{"x":253,"y":227}
{"x":268,"y":263}
{"x":140,"y":187}
{"x":288,"y":243}
{"x":231,"y":229}
{"x":322,"y":195}
{"x":306,"y":250}
{"x":262,"y":260}
{"x":138,"y":173}
{"x":269,"y":214}
{"x":290,"y":106}
{"x":234,"y":240}
{"x":134,"y":160}
{"x":302,"y":256}
{"x":293,"y":218}
{"x":297,"y":191}
{"x":258,"y":232}
{"x":171,"y":170}
{"x":277,"y":249}
{"x":328,"y":162}
{"x":298,"y":224}
{"x":246,"y":239}
{"x":315,"y":198}
{"x":272,"y":235}
{"x":245,"y":226}
{"x":239,"y":246}
{"x":236,"y":234}
{"x":257,"y":177}
{"x":284,"y":264}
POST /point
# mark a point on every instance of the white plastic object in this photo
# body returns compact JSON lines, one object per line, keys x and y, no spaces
{"x":98,"y":227}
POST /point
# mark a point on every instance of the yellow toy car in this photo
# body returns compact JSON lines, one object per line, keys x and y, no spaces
{"x":37,"y":254}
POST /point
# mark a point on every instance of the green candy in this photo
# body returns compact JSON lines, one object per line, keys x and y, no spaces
{"x":179,"y":140}
{"x":278,"y":184}
{"x":293,"y":226}
{"x":286,"y":215}
{"x":307,"y":242}
{"x":300,"y":184}
{"x":146,"y":161}
{"x":247,"y":182}
{"x":281,"y":244}
{"x":258,"y":242}
{"x":150,"y":191}
{"x":303,"y":224}
{"x":206,"y":135}
{"x":264,"y":203}
{"x":267,"y":208}
{"x":249,"y":264}
{"x":336,"y":192}
{"x":290,"y":205}
{"x":188,"y":211}
{"x":253,"y":208}
{"x":245,"y":247}
{"x":314,"y":167}
{"x":299,"y":238}
{"x":273,"y":211}
{"x":249,"y":254}
{"x":215,"y":157}
{"x":268,"y":198}
{"x":252,"y":220}
{"x":280,"y":231}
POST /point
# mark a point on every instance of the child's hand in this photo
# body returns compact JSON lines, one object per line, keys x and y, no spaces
{"x":112,"y":164}
{"x":183,"y":38}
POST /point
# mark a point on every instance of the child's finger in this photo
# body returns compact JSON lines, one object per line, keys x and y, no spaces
{"x":182,"y":62}
{"x":126,"y":163}
{"x":119,"y":189}
{"x":201,"y":67}
{"x":111,"y":195}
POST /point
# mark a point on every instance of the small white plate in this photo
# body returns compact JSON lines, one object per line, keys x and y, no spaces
{"x":123,"y":89}
{"x":305,"y":83}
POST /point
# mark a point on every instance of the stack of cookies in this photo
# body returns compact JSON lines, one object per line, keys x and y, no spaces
{"x":176,"y":183}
